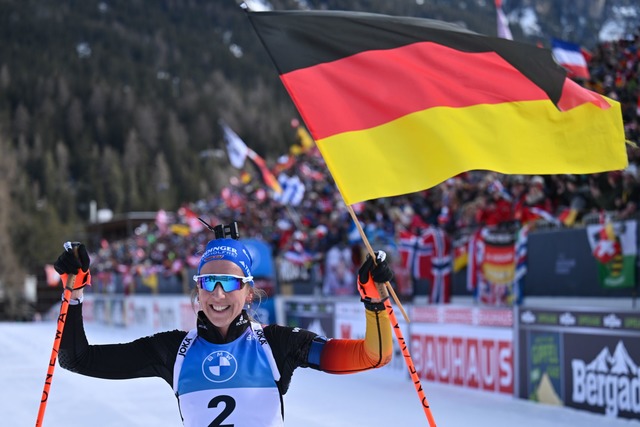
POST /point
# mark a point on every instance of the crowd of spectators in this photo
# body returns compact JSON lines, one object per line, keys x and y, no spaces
{"x":319,"y":229}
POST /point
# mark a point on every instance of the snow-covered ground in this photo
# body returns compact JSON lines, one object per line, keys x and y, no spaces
{"x":314,"y":399}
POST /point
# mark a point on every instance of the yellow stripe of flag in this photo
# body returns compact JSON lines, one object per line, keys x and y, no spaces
{"x":423,"y":149}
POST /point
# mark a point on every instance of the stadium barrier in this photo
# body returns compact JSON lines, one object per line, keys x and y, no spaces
{"x":583,"y":358}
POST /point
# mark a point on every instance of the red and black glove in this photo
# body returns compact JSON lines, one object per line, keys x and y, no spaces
{"x":74,"y":260}
{"x":369,"y":274}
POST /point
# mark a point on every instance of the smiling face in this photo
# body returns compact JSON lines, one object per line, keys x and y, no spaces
{"x":219,"y":306}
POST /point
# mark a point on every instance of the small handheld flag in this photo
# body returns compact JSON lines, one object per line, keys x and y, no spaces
{"x":570,"y":56}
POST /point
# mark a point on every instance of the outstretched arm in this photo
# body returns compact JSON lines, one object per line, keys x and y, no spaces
{"x":145,"y":357}
{"x":345,"y":356}
{"x":342,"y":356}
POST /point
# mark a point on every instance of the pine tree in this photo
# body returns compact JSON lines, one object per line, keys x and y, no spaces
{"x":12,"y":273}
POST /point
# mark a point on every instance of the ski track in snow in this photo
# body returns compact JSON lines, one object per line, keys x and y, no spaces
{"x":315,"y":399}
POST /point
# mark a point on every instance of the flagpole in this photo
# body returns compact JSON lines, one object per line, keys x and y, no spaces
{"x":396,"y":329}
{"x":294,"y":217}
{"x":371,"y":252}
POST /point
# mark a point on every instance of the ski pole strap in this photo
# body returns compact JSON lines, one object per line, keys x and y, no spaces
{"x":73,"y":301}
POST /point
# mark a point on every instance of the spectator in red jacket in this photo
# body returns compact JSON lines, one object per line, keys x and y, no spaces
{"x":535,"y":204}
{"x":495,"y":206}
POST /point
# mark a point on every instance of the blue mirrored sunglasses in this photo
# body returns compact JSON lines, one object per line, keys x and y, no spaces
{"x":228,"y":282}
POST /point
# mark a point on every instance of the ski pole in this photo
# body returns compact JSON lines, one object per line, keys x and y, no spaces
{"x":415,"y":378}
{"x":64,"y":307}
{"x":410,"y":366}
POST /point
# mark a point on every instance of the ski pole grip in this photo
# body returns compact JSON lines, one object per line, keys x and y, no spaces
{"x":71,"y":247}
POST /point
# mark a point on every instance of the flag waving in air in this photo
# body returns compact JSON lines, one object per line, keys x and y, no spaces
{"x":265,"y":174}
{"x":236,"y":148}
{"x":397,"y":105}
{"x":502,"y":22}
{"x":238,"y":153}
{"x":570,"y":56}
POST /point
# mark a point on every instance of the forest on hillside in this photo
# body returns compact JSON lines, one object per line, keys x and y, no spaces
{"x":118,"y":102}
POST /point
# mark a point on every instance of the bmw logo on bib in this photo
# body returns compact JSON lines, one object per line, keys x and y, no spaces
{"x":219,"y":366}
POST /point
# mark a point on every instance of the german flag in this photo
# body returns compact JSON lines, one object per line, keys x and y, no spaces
{"x":265,"y":174}
{"x":397,"y":104}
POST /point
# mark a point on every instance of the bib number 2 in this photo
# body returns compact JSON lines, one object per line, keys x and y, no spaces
{"x":229,"y":406}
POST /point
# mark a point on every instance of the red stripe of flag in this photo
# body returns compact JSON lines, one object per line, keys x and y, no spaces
{"x":479,"y":78}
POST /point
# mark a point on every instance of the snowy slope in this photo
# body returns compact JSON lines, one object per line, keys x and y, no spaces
{"x":314,"y":399}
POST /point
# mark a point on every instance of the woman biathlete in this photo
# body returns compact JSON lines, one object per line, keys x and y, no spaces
{"x":230,"y":369}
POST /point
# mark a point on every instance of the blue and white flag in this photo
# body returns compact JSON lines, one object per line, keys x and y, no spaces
{"x":503,"y":23}
{"x":292,"y":190}
{"x":236,"y":148}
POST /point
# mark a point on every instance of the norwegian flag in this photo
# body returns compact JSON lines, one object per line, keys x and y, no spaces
{"x":475,"y":258}
{"x":441,"y":265}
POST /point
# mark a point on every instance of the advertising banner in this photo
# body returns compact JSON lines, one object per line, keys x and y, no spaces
{"x":475,"y":357}
{"x":463,"y":315}
{"x":264,"y":311}
{"x":109,"y":310}
{"x":543,"y":368}
{"x":464,"y":346}
{"x":312,"y":315}
{"x":602,"y":376}
{"x":294,"y":273}
{"x":585,"y":359}
{"x":160,"y":313}
{"x":153,"y":313}
{"x":157,"y":313}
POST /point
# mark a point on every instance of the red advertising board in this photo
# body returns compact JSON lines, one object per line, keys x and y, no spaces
{"x":466,"y":356}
